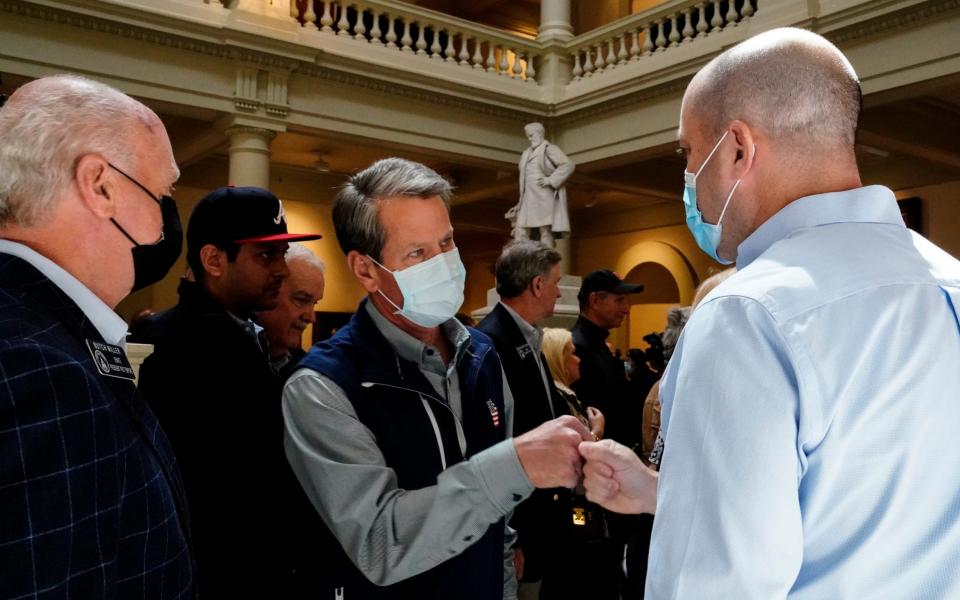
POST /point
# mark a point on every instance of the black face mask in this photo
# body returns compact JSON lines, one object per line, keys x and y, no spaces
{"x":152,"y":262}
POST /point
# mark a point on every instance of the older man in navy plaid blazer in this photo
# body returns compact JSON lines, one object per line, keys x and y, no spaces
{"x":91,"y":504}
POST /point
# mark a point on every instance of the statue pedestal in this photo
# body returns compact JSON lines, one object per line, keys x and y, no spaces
{"x":564,"y":314}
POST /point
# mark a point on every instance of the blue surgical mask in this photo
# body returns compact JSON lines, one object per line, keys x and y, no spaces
{"x":432,"y":290}
{"x":706,"y":234}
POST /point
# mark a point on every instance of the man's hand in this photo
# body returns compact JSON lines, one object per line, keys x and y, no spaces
{"x":549,"y":453}
{"x":616,"y":479}
{"x":518,"y":563}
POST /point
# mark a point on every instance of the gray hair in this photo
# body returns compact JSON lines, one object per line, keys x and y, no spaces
{"x":45,"y":127}
{"x":519,"y":263}
{"x":298,"y":251}
{"x":677,"y":318}
{"x":793,"y":84}
{"x":355,"y":210}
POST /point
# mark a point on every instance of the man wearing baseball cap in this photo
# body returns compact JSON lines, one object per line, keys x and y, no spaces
{"x":603,"y":381}
{"x":210,"y":382}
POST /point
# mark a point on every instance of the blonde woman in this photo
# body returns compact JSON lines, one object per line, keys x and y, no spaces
{"x":584,"y":561}
{"x":565,"y":369}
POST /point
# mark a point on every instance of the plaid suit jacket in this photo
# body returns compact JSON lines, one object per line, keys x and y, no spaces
{"x":91,"y":504}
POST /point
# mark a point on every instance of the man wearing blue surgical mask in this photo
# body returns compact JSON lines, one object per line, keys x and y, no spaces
{"x":810,"y":407}
{"x":398,"y":426}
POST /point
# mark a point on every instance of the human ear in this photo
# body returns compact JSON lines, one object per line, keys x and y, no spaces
{"x":95,"y":186}
{"x":212,"y":259}
{"x":364,"y":270}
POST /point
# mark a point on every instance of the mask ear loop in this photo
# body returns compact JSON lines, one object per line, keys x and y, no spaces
{"x":398,"y":310}
{"x":753,"y":153}
{"x":709,"y":156}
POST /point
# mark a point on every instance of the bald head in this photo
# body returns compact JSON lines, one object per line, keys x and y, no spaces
{"x":47,"y":125}
{"x":793,"y":85}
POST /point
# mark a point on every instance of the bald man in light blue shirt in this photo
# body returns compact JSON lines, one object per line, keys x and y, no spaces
{"x":810,"y":410}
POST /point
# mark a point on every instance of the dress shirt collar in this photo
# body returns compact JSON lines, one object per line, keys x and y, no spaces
{"x":427,"y":358}
{"x":111,"y":327}
{"x":871,"y":204}
{"x":530,"y":333}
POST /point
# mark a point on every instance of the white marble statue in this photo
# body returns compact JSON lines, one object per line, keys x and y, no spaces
{"x":544,"y":169}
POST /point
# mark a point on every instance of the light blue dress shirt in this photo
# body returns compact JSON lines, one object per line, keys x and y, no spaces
{"x":104,"y":319}
{"x":812,"y":416}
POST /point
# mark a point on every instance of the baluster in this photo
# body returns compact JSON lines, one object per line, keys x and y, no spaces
{"x":359,"y":29}
{"x":747,"y":10}
{"x":477,"y":59}
{"x":375,"y":32}
{"x":391,"y":32}
{"x":674,"y":34}
{"x":449,"y":52}
{"x":702,"y":21}
{"x":491,"y":61}
{"x":687,"y":26}
{"x":634,"y":45}
{"x":435,"y":46}
{"x":464,"y":55}
{"x":717,"y":21}
{"x":588,"y":67}
{"x":406,"y":40}
{"x":343,"y":25}
{"x":622,"y":54}
{"x":531,"y":71}
{"x":310,"y":15}
{"x":732,"y":15}
{"x":326,"y":20}
{"x":648,"y":41}
{"x":517,"y":65}
{"x":599,"y":63}
{"x":504,"y":65}
{"x":611,"y":58}
{"x":577,"y":69}
{"x":661,"y":40}
{"x":421,"y":43}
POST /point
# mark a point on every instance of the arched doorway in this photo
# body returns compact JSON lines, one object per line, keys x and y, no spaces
{"x":668,"y":280}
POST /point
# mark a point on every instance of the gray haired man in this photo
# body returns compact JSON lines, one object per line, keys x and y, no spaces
{"x":90,"y":494}
{"x":399,"y":426}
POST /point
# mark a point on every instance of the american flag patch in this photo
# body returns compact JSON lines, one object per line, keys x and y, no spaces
{"x":494,"y":413}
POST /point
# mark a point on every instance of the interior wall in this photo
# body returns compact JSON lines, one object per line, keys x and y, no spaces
{"x":941,"y":207}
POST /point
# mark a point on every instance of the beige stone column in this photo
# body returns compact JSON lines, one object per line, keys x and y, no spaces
{"x":249,"y":156}
{"x":555,"y":20}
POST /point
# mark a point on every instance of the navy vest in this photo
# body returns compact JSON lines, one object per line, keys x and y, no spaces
{"x":391,"y":398}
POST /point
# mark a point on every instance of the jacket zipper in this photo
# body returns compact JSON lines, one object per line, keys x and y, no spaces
{"x":461,"y":438}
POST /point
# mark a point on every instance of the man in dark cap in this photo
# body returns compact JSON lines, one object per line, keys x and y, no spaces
{"x":211,"y":384}
{"x":603,"y":382}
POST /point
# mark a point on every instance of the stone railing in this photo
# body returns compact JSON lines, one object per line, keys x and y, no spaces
{"x":432,"y":35}
{"x":665,"y":26}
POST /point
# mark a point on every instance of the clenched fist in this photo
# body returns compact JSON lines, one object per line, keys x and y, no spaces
{"x":616,"y":478}
{"x":549,"y":454}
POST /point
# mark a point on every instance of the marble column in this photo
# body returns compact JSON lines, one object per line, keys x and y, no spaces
{"x":249,"y":156}
{"x":555,"y":20}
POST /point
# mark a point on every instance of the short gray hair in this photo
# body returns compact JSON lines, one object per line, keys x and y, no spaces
{"x":356,"y":217}
{"x":793,"y":84}
{"x":298,"y":251}
{"x":45,"y":127}
{"x":519,"y":263}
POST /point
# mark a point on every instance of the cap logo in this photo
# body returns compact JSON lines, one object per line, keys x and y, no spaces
{"x":280,"y":215}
